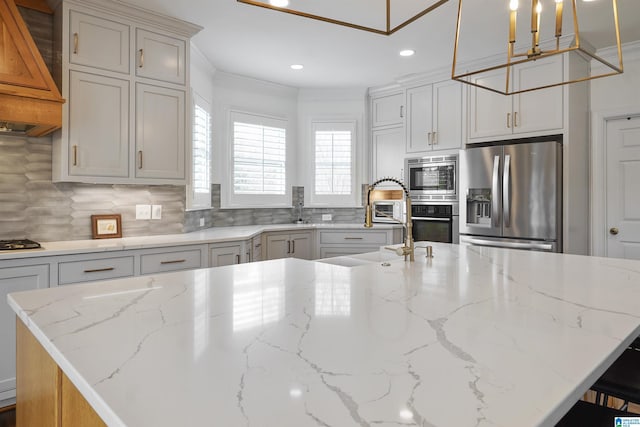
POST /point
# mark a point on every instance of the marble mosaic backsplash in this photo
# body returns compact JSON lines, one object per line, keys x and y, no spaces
{"x":31,"y":206}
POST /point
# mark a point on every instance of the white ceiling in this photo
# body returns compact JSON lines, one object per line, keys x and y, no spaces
{"x":261,"y":43}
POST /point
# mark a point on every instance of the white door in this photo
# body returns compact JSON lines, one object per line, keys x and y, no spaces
{"x":388,"y":153}
{"x":301,"y":245}
{"x":489,"y":112}
{"x":622,"y":196}
{"x":419,"y":119}
{"x":225,"y":255}
{"x":447,"y":115}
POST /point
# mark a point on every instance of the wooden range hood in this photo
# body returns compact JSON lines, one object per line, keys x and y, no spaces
{"x":30,"y":102}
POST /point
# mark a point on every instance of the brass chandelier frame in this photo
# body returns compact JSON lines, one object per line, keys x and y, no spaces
{"x":536,"y":53}
{"x":386,"y":32}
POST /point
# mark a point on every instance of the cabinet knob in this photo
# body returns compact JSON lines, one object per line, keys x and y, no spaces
{"x":614,"y":231}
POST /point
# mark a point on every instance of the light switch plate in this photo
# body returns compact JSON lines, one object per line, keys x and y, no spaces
{"x":156,"y":211}
{"x":201,"y":222}
{"x":326,"y":217}
{"x":143,"y":211}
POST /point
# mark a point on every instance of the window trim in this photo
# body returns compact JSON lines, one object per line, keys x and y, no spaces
{"x":351,"y":200}
{"x":230,"y":200}
{"x":202,"y":200}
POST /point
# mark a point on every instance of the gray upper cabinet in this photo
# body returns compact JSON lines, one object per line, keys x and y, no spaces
{"x":160,"y":132}
{"x":98,"y":126}
{"x":160,"y":57}
{"x":99,"y":43}
{"x":124,"y":74}
{"x":434,"y":117}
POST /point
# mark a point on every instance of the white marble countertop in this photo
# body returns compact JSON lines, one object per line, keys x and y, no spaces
{"x":473,"y":337}
{"x":210,"y":235}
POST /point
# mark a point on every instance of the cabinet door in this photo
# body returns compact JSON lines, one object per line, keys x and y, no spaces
{"x":301,"y":245}
{"x":387,"y":110}
{"x":256,"y":249}
{"x":419,"y":119}
{"x":160,"y":132}
{"x":14,"y":279}
{"x":388,"y":153}
{"x":489,"y":112}
{"x":447,"y":115}
{"x":225,"y":255}
{"x":278,"y":246}
{"x":98,"y":42}
{"x":160,"y":57}
{"x":538,"y":110}
{"x":98,"y":126}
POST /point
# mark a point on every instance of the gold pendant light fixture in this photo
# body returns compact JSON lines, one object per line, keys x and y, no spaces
{"x":349,"y":13}
{"x":542,"y":41}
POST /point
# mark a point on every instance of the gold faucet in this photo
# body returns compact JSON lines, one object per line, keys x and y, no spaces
{"x":407,"y":250}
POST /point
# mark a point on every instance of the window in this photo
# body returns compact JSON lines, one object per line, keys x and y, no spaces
{"x":200,"y":187}
{"x":334,"y":166}
{"x":258,"y":161}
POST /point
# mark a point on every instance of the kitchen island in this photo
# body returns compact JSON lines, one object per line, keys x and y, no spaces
{"x":472,"y":336}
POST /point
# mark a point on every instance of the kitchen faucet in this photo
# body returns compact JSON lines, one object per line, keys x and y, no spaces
{"x":407,"y":250}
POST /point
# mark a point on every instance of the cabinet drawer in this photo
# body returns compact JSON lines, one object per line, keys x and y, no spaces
{"x":95,"y":269}
{"x":353,"y":238}
{"x":170,"y":261}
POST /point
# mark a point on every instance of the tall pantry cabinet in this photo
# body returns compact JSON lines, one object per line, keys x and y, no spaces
{"x":124,"y":74}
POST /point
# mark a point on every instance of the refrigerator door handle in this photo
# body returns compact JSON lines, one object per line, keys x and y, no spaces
{"x":494,"y":192}
{"x":506,"y":193}
{"x":509,"y":245}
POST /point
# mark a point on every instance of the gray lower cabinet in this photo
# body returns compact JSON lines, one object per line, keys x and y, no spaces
{"x":92,"y":267}
{"x":14,"y":279}
{"x":173,"y":259}
{"x":332,"y":243}
{"x":289,"y":245}
{"x":225,"y":253}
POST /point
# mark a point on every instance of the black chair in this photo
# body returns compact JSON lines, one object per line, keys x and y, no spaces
{"x":622,"y":379}
{"x":592,"y":415}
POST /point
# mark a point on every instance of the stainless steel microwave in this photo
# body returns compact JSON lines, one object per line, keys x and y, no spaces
{"x":432,"y":178}
{"x":390,"y":211}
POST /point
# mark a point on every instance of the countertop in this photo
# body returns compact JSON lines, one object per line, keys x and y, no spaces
{"x":210,"y":235}
{"x":471,"y":337}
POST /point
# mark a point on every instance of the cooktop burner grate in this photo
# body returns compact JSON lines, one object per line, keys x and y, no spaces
{"x":9,"y":245}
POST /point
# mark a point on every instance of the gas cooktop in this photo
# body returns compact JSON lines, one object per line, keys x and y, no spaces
{"x":9,"y":245}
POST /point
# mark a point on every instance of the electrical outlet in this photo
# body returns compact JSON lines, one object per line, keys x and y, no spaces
{"x":143,"y":211}
{"x":326,"y":217}
{"x":156,"y":211}
{"x":201,"y":222}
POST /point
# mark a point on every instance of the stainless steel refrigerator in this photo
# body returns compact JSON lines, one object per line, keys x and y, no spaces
{"x":511,"y":196}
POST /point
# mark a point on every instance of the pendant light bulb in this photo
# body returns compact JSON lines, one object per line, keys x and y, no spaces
{"x":513,"y":5}
{"x":539,"y":7}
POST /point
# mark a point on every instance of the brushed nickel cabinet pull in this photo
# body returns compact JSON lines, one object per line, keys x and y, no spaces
{"x":100,"y":270}
{"x":140,"y":158}
{"x":75,"y":155}
{"x":293,"y":251}
{"x":174,"y":261}
{"x":353,"y":238}
{"x":141,"y":58}
{"x":428,"y":138}
{"x":401,"y":111}
{"x":508,"y":120}
{"x":434,"y":141}
{"x":75,"y":43}
{"x":288,"y":246}
{"x":515,"y":119}
{"x":237,"y":259}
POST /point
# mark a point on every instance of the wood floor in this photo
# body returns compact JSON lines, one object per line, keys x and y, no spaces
{"x":8,"y":416}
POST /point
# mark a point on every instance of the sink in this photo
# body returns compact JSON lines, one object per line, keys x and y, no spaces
{"x":355,"y":260}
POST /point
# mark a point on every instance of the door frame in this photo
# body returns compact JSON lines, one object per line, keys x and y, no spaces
{"x":597,"y":182}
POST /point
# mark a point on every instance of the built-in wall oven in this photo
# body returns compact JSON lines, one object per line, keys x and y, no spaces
{"x":433,"y":185}
{"x":435,"y":222}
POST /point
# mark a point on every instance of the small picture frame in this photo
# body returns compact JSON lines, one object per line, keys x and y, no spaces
{"x":106,"y":226}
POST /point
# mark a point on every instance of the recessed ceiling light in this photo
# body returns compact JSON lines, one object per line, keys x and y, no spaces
{"x":407,"y":52}
{"x":279,"y":3}
{"x":297,"y":67}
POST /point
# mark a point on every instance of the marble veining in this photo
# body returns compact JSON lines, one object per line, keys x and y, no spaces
{"x":472,"y":337}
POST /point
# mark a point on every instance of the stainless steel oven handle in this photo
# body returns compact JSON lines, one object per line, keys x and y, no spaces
{"x":512,"y":245}
{"x":494,"y":191}
{"x":428,"y":218}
